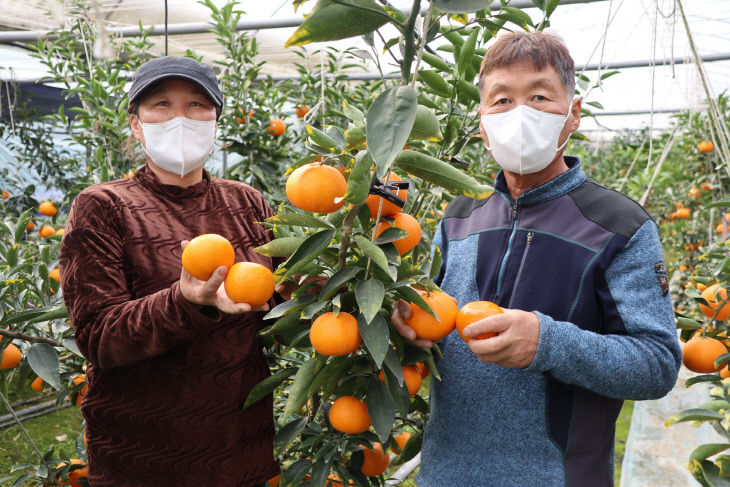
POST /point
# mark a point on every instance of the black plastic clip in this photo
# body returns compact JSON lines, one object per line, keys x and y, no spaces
{"x":384,"y":190}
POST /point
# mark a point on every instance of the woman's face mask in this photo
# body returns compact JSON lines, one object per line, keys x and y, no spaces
{"x":179,"y":145}
{"x":524,"y":140}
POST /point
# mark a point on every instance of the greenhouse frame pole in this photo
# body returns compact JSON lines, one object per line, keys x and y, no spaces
{"x":204,"y":27}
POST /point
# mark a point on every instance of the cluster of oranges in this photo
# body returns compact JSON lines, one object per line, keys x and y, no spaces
{"x":245,"y":282}
{"x":701,"y":351}
{"x":349,"y":414}
{"x":75,"y":475}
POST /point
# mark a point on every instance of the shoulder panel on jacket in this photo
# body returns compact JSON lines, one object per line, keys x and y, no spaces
{"x":463,"y":206}
{"x":612,"y":210}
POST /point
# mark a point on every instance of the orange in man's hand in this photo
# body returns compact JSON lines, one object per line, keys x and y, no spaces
{"x":249,"y":282}
{"x":314,"y":187}
{"x":349,"y":415}
{"x":473,"y":312}
{"x":425,"y":324}
{"x":205,"y":253}
{"x":405,"y":222}
{"x":335,"y":336}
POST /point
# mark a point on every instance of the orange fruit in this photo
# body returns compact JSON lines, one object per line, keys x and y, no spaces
{"x":706,"y":186}
{"x":37,"y":384}
{"x":249,"y":282}
{"x":301,"y":110}
{"x":205,"y":253}
{"x":706,"y":146}
{"x":81,"y":379}
{"x":47,"y":208}
{"x":60,"y":231}
{"x":334,"y":481}
{"x":129,"y":175}
{"x":389,"y":208}
{"x":55,"y":274}
{"x":75,"y":475}
{"x":720,"y":228}
{"x":426,"y":325}
{"x":374,"y":461}
{"x":699,"y":353}
{"x":409,"y":224}
{"x":314,"y":187}
{"x":401,"y":439}
{"x":30,"y":226}
{"x":11,"y":357}
{"x":335,"y":336}
{"x":683,"y":213}
{"x":349,"y":415}
{"x":694,"y":192}
{"x":701,"y":287}
{"x":715,"y":297}
{"x":423,"y":369}
{"x":277,"y":127}
{"x":6,"y":195}
{"x":274,"y":481}
{"x":724,"y":372}
{"x":411,"y":376}
{"x":473,"y":312}
{"x":46,"y":231}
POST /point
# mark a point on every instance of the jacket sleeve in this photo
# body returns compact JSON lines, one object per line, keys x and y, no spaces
{"x":113,"y":329}
{"x":641,"y":364}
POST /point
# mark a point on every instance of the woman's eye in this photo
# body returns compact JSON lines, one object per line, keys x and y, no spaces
{"x":502,"y":101}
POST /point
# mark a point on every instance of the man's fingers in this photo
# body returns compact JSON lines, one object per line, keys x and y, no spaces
{"x":490,"y":324}
{"x":184,"y":243}
{"x":401,"y":312}
{"x":210,"y":288}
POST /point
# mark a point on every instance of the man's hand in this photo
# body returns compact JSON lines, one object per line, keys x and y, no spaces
{"x":212,"y":292}
{"x":516,"y":342}
{"x":401,"y":312}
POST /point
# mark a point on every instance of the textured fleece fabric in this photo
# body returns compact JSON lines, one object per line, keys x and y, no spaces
{"x":588,"y":262}
{"x":166,"y":378}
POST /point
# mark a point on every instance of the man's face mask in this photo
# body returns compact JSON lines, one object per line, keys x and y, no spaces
{"x":179,"y":145}
{"x":524,"y":140}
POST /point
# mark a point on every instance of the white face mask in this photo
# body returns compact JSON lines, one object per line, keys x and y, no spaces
{"x":179,"y":145}
{"x":524,"y":140}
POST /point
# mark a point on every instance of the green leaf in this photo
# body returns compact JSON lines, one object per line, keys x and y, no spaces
{"x":330,"y":21}
{"x":369,"y":295}
{"x":380,"y":408}
{"x":435,"y":62}
{"x":425,"y":126}
{"x":358,"y":184}
{"x":298,"y":390}
{"x":376,"y":336}
{"x":353,"y":113}
{"x":43,"y":359}
{"x":461,"y":6}
{"x":695,"y":414}
{"x":696,"y":379}
{"x":280,"y":247}
{"x":337,"y":280}
{"x":355,"y":138}
{"x":392,"y":364}
{"x":516,"y":16}
{"x":288,"y":433}
{"x":390,"y":234}
{"x":412,"y":447}
{"x":70,"y":345}
{"x":374,"y":252}
{"x":321,"y":139}
{"x":389,"y":122}
{"x":298,"y":220}
{"x":310,"y":249}
{"x":435,"y":81}
{"x":441,"y":174}
{"x":469,"y":91}
{"x":54,"y":313}
{"x":466,"y":53}
{"x":687,"y":324}
{"x":707,"y":450}
{"x":413,"y":296}
{"x":266,"y":386}
{"x":435,"y":263}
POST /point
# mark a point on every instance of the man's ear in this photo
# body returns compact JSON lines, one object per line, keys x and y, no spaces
{"x":576,"y":111}
{"x":136,"y":127}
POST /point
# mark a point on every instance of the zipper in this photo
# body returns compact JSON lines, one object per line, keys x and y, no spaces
{"x":530,"y":235}
{"x":503,"y":265}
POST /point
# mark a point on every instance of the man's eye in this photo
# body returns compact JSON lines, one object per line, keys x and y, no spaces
{"x":503,"y":101}
{"x":540,"y":98}
{"x":161,"y":103}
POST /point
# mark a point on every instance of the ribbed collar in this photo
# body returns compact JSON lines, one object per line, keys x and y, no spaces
{"x":558,"y":186}
{"x":150,"y":180}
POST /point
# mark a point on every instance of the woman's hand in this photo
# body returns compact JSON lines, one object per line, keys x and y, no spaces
{"x":212,"y":292}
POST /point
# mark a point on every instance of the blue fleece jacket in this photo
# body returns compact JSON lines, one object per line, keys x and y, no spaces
{"x":588,"y":261}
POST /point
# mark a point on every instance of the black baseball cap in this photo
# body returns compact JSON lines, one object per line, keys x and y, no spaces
{"x":175,"y":67}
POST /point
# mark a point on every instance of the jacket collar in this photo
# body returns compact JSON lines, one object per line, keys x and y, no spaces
{"x":558,"y":186}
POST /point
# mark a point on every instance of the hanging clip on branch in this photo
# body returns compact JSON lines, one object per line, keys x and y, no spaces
{"x":379,"y":188}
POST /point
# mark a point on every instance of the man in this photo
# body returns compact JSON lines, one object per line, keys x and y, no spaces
{"x":171,"y":358}
{"x":579,"y":271}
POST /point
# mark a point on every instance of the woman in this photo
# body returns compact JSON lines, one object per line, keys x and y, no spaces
{"x":171,"y":358}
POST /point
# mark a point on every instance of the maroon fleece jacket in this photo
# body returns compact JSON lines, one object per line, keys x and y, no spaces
{"x":166,"y":378}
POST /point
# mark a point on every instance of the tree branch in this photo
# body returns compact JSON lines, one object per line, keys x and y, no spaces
{"x":30,"y":338}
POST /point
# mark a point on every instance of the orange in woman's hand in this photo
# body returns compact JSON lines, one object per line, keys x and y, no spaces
{"x":249,"y":282}
{"x":205,"y":253}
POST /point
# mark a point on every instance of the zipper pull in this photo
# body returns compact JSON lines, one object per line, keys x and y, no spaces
{"x":530,"y":234}
{"x":514,"y":211}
